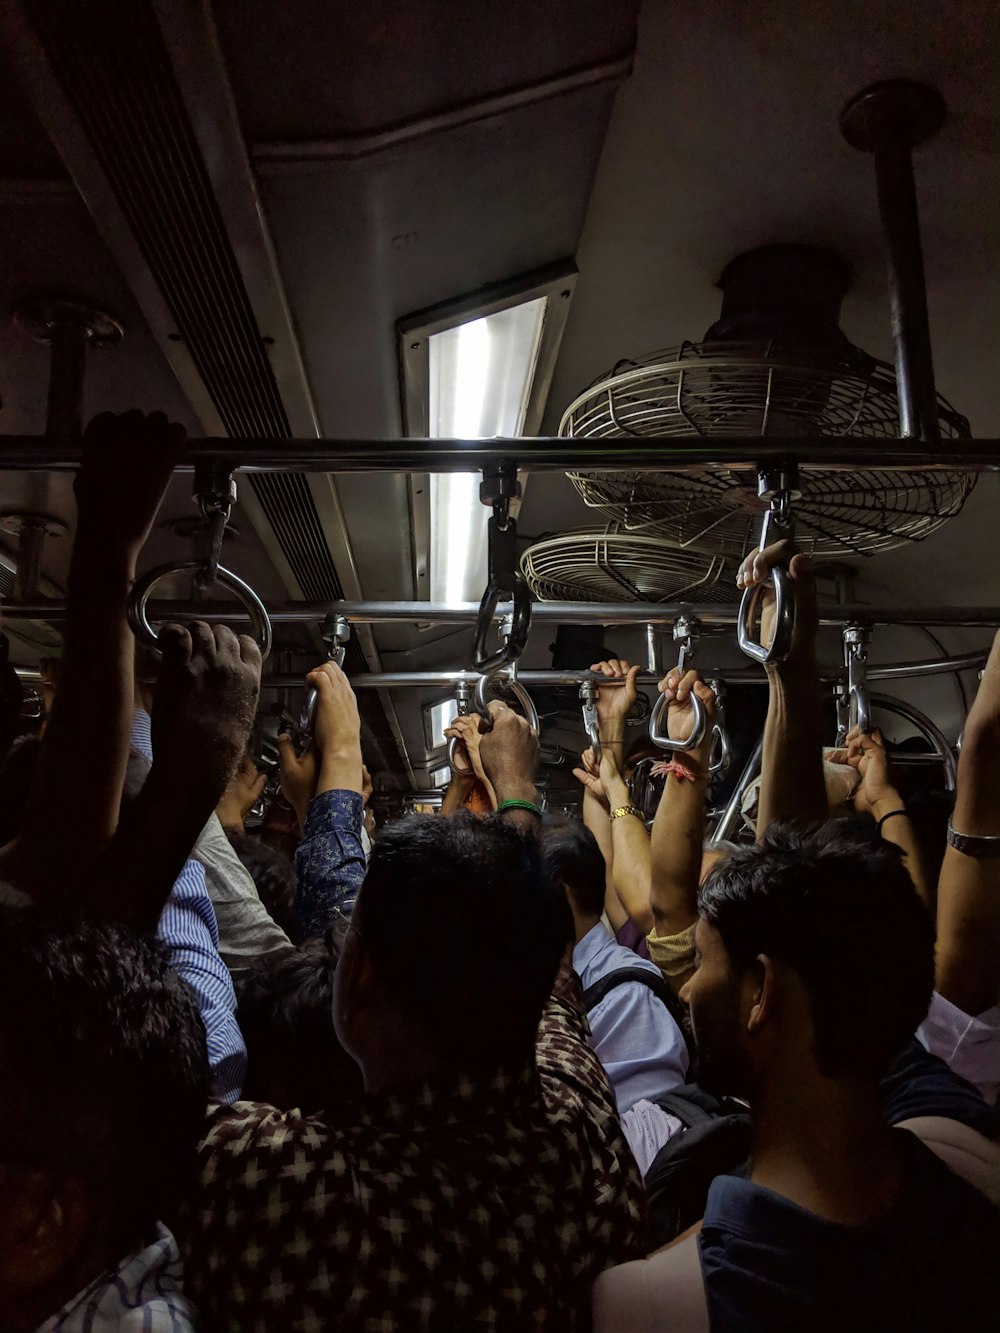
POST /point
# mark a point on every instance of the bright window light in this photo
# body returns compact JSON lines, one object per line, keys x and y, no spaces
{"x":436,"y":718}
{"x":440,"y":777}
{"x":481,"y":374}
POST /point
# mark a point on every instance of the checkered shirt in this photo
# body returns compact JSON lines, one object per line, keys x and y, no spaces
{"x":446,"y":1204}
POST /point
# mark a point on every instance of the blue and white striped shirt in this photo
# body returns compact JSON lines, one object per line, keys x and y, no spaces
{"x":142,"y":1294}
{"x":191,"y":933}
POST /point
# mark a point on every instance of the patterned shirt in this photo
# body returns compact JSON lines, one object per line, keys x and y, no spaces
{"x":141,"y":1295}
{"x":330,"y":861}
{"x":449,"y":1203}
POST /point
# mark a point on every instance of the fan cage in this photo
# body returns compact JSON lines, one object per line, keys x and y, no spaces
{"x":608,"y":566}
{"x":744,"y":389}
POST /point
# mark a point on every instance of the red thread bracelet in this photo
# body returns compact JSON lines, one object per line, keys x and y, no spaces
{"x":664,"y":766}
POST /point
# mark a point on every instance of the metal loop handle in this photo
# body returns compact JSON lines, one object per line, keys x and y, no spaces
{"x":588,"y":696}
{"x":784,"y":620}
{"x":661,"y":738}
{"x":859,"y":713}
{"x":463,"y":697}
{"x":721,"y":752}
{"x":139,"y":596}
{"x":336,"y":635}
{"x":482,"y":659}
{"x":518,"y":691}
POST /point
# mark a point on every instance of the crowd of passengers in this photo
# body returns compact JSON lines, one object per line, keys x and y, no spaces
{"x":495,"y":1069}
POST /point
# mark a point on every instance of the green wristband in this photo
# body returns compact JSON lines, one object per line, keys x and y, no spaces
{"x":520,"y":805}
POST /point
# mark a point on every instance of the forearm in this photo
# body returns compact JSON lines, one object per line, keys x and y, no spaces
{"x":330,"y":861}
{"x":597,"y":819}
{"x":792,"y":786}
{"x":631,"y":861}
{"x":90,"y":717}
{"x":518,"y":788}
{"x":455,"y":795}
{"x":133,"y":880}
{"x":900,"y":832}
{"x":968,"y":899}
{"x":676,"y":847}
{"x":340,"y":769}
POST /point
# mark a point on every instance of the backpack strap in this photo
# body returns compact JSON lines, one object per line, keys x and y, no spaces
{"x":645,"y":976}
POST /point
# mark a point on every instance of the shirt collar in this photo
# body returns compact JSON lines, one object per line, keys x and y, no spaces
{"x":586,"y":951}
{"x":446,"y":1099}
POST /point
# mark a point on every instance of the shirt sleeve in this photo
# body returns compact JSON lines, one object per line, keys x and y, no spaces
{"x":141,"y":737}
{"x":673,"y":955}
{"x":637,"y":1041}
{"x":189,"y":930}
{"x":330,"y":860}
{"x":579,"y":1102}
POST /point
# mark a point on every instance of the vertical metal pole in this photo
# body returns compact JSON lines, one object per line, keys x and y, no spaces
{"x":654,"y":663}
{"x":889,"y":120}
{"x":67,"y":363}
{"x":730,"y":817}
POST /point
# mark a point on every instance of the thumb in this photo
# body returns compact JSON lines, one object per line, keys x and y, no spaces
{"x":286,"y":751}
{"x":587,"y":779}
{"x":258,"y":785}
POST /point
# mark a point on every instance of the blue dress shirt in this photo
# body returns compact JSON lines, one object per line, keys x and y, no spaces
{"x":631,"y":1031}
{"x":330,"y":861}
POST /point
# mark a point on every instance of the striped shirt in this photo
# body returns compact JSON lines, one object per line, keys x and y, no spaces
{"x":189,"y":929}
{"x":142,"y":1294}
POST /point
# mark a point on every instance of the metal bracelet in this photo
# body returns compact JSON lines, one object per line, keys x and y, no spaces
{"x":983,"y":846}
{"x":139,"y":596}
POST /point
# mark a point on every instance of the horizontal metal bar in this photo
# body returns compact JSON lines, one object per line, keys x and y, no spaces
{"x":551,"y":454}
{"x":564,"y":613}
{"x":544,"y":677}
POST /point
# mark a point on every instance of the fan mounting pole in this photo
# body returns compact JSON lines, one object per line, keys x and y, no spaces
{"x":889,"y":120}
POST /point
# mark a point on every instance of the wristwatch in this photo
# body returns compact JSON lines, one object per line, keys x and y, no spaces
{"x":627,"y":810}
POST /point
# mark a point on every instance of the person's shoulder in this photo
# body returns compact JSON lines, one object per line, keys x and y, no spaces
{"x":242,"y":1130}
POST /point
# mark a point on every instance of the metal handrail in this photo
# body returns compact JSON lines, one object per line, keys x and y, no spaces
{"x":33,"y":453}
{"x":657,"y":614}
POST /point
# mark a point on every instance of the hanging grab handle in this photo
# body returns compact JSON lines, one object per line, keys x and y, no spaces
{"x":856,"y":639}
{"x":215,"y":494}
{"x":336,"y":636}
{"x":686,"y":636}
{"x":463,"y":697}
{"x":588,"y":698}
{"x":504,"y":579}
{"x":779,"y":488}
{"x":720,"y":754}
{"x":139,"y":621}
{"x":518,"y":691}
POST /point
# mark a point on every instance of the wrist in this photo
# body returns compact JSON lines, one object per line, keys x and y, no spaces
{"x":340,"y":773}
{"x":515,"y":789}
{"x":890,"y":801}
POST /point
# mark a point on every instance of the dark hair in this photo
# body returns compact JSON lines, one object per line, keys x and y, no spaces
{"x":273,"y":874}
{"x":286,"y":1014}
{"x":103,"y":1069}
{"x":835,"y":903}
{"x":573,"y":861}
{"x":465,"y":932}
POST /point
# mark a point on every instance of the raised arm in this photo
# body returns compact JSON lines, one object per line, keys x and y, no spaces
{"x":879,"y":797}
{"x":968,"y":905}
{"x":126,"y":465}
{"x":509,"y":754}
{"x":792,"y":784}
{"x":629,"y":840}
{"x":330,"y":860}
{"x":206,"y":695}
{"x":597,"y":817}
{"x":678,"y":833}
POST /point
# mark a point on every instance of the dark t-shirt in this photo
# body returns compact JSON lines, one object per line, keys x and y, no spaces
{"x":932,"y":1263}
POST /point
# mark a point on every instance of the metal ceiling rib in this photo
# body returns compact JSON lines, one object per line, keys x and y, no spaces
{"x":116,"y":73}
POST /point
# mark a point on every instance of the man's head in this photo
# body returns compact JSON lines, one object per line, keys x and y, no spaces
{"x":454,"y":946}
{"x":573,"y":862}
{"x":103,"y":1088}
{"x":285,"y":1013}
{"x":814,"y":954}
